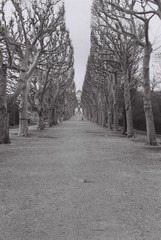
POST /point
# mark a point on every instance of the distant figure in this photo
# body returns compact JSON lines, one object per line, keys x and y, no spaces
{"x":82,"y":118}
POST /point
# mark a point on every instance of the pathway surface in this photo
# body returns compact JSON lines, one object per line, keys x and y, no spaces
{"x":77,"y":181}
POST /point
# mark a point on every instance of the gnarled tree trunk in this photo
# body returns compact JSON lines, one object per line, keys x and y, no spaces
{"x":54,"y":116}
{"x":41,"y":125}
{"x":104,"y":115}
{"x":151,"y":135}
{"x":130,"y":130}
{"x":110,"y":113}
{"x":49,"y":117}
{"x":124,"y":122}
{"x":110,"y":103}
{"x":4,"y":116}
{"x":115,"y":103}
{"x":23,"y":112}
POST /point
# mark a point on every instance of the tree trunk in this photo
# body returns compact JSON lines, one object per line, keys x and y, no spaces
{"x":124,"y":122}
{"x":99,"y":114}
{"x":130,"y":130}
{"x":49,"y":118}
{"x":110,"y":115}
{"x":23,"y":112}
{"x":54,"y":116}
{"x":23,"y":77}
{"x":41,"y":119}
{"x":88,"y":113}
{"x":110,"y":103}
{"x":95,"y":114}
{"x":104,"y":117}
{"x":4,"y":116}
{"x":151,"y":135}
{"x":115,"y":103}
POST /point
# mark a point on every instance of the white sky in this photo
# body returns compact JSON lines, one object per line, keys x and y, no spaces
{"x":155,"y":34}
{"x":78,"y":15}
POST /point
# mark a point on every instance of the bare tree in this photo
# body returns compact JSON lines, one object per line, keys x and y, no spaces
{"x":111,"y":55}
{"x":23,"y":39}
{"x":126,"y":20}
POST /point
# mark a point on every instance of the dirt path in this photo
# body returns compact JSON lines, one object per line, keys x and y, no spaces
{"x":77,"y":181}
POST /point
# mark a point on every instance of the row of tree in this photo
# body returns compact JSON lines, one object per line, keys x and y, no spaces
{"x":119,"y":63}
{"x":36,"y":63}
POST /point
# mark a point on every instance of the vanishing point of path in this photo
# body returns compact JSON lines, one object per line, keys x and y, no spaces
{"x":78,"y":181}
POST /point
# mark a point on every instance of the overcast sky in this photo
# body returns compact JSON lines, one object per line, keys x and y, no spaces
{"x":78,"y":22}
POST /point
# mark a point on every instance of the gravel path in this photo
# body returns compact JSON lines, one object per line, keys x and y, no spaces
{"x":78,"y":181}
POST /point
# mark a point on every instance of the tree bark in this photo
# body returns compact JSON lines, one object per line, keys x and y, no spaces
{"x":110,"y":114}
{"x":41,"y":119}
{"x":4,"y":116}
{"x":49,"y":117}
{"x":115,"y":103}
{"x":54,"y":116}
{"x":23,"y":76}
{"x":110,"y":103}
{"x":124,"y":122}
{"x":104,"y":116}
{"x":95,"y":114}
{"x":151,"y":135}
{"x":130,"y":130}
{"x":23,"y":112}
